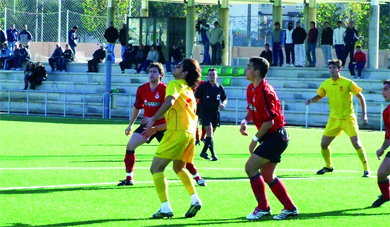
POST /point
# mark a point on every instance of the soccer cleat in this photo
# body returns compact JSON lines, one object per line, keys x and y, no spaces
{"x":214,"y":158}
{"x":201,"y":182}
{"x":366,"y":174}
{"x":204,"y":155}
{"x":126,"y":182}
{"x":286,"y":213}
{"x":194,"y":208}
{"x":324,"y":170}
{"x":258,"y":214}
{"x":160,"y":215}
{"x":197,"y":143}
{"x":379,"y":201}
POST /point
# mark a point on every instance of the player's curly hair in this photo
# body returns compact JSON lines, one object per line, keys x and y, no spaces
{"x":159,"y":66}
{"x":191,"y":66}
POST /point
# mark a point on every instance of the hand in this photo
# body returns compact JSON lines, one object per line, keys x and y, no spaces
{"x":147,"y":133}
{"x":379,"y":153}
{"x":308,"y":102}
{"x":145,"y":120}
{"x":364,"y":119}
{"x":128,"y":130}
{"x":149,"y":123}
{"x":221,"y":106}
{"x":252,"y":146}
{"x":243,"y":130}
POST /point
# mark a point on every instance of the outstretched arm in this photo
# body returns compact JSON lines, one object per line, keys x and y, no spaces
{"x":314,"y":99}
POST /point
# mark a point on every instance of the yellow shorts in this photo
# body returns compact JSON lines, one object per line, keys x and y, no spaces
{"x":335,"y":127}
{"x":177,"y":145}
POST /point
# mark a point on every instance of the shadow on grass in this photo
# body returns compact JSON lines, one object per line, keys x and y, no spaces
{"x":82,"y":222}
{"x":118,"y":160}
{"x":52,"y":190}
{"x":115,"y":145}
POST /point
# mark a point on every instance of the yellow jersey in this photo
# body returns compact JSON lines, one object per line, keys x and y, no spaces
{"x":182,"y":115}
{"x":339,"y":94}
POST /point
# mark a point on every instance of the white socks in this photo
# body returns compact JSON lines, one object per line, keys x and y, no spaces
{"x":195,"y":199}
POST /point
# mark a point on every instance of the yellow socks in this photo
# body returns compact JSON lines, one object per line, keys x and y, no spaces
{"x":363,"y":158}
{"x":161,"y":184}
{"x":326,"y":155}
{"x":187,"y":181}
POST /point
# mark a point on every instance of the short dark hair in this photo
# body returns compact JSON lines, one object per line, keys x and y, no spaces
{"x":191,"y":66}
{"x":358,"y":46}
{"x":290,"y":23}
{"x":326,"y":22}
{"x":335,"y":62}
{"x":159,"y":66}
{"x":386,"y":82}
{"x":312,"y":22}
{"x":213,"y":69}
{"x":261,"y":64}
{"x":277,"y":23}
{"x":266,"y":45}
{"x":75,"y":27}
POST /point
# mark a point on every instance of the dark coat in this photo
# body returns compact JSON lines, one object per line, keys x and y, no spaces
{"x":111,"y":34}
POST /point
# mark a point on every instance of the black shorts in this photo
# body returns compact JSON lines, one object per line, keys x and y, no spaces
{"x":159,"y":135}
{"x":388,"y":155}
{"x":210,"y":118}
{"x":273,"y":145}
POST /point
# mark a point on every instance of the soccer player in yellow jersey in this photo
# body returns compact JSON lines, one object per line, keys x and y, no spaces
{"x":342,"y":116}
{"x":178,"y":143}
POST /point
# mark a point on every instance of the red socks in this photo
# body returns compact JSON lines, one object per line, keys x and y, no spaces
{"x":258,"y":188}
{"x":197,"y":135}
{"x":129,"y":161}
{"x":203,"y":133}
{"x":277,"y":187}
{"x":385,"y":189}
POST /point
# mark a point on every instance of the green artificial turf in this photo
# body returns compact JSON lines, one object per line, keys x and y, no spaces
{"x":73,"y":166}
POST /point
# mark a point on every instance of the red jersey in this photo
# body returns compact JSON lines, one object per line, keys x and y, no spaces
{"x":150,"y":100}
{"x":264,"y":105}
{"x":386,"y":120}
{"x":359,"y":57}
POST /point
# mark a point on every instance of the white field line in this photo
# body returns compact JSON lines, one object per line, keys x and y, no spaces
{"x":151,"y":182}
{"x":205,"y":168}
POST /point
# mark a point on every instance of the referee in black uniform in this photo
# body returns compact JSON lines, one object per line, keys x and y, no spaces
{"x":212,"y":98}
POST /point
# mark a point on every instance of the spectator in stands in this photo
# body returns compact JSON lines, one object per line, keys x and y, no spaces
{"x":216,"y":38}
{"x":25,"y":37}
{"x":312,"y":44}
{"x":359,"y":60}
{"x":98,"y":57}
{"x":20,"y":55}
{"x":55,"y":57}
{"x":3,"y":38}
{"x":27,"y":74}
{"x":289,"y":46}
{"x":5,"y":55}
{"x":350,"y":38}
{"x":326,"y":43}
{"x":277,"y":44}
{"x":299,"y":36}
{"x":140,"y":56}
{"x":175,"y":58}
{"x":267,"y":53}
{"x":111,"y":34}
{"x":10,"y":62}
{"x":72,"y":39}
{"x":128,"y":58}
{"x":38,"y":75}
{"x":123,"y":39}
{"x":204,"y":30}
{"x":66,"y":57}
{"x":338,"y":40}
{"x":153,"y":56}
{"x":12,"y":37}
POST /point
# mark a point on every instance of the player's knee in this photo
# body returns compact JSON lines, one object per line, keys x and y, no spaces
{"x":177,"y":168}
{"x":249,"y":170}
{"x":382,"y":175}
{"x":324,"y":146}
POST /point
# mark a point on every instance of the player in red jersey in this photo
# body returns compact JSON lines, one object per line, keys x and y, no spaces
{"x":264,"y":110}
{"x":150,"y":97}
{"x":384,"y":168}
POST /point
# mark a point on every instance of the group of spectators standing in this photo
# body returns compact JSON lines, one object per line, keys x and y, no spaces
{"x":293,"y":40}
{"x":214,"y":38}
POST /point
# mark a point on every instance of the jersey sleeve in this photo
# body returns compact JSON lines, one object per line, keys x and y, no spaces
{"x":139,"y":104}
{"x":321,"y":90}
{"x":223,"y":94}
{"x":354,"y":88}
{"x":173,"y":89}
{"x":269,"y":112}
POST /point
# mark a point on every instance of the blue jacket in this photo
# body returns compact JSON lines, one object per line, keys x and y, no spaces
{"x":57,"y":53}
{"x":4,"y":53}
{"x":12,"y":35}
{"x":72,"y":38}
{"x":2,"y":37}
{"x":203,"y":31}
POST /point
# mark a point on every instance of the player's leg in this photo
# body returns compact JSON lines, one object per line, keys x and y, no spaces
{"x":206,"y":123}
{"x":199,"y":180}
{"x":252,"y":166}
{"x":361,"y":154}
{"x":325,"y":151}
{"x":383,"y":181}
{"x":136,"y":140}
{"x":161,"y":184}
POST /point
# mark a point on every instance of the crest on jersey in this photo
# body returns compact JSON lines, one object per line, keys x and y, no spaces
{"x":157,"y":96}
{"x":341,"y":88}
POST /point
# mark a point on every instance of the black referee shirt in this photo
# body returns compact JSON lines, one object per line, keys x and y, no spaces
{"x":210,"y":96}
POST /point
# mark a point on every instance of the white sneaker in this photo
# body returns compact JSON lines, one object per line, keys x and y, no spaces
{"x":286,"y":213}
{"x":201,"y":182}
{"x":258,"y":213}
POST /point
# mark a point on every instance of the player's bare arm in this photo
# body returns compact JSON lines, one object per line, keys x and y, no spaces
{"x":223,"y":104}
{"x":362,"y":101}
{"x":134,"y":116}
{"x":244,"y":123}
{"x":259,"y":134}
{"x":380,"y":151}
{"x":314,"y":99}
{"x":168,"y":103}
